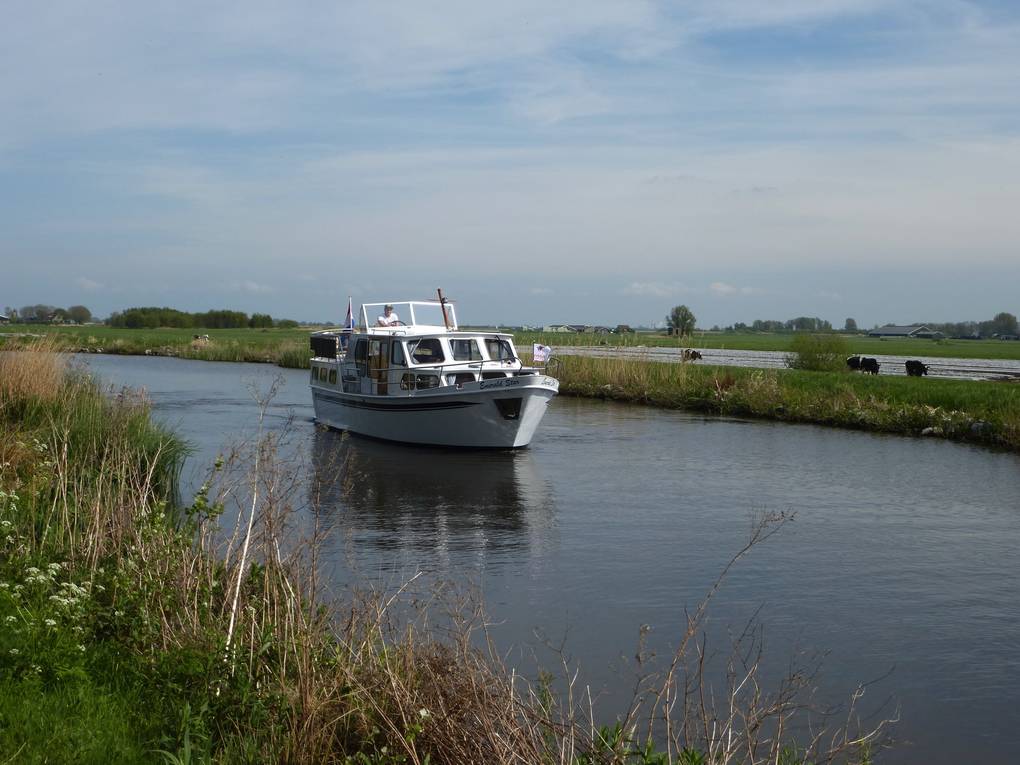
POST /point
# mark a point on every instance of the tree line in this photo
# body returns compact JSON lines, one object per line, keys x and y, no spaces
{"x":152,"y":317}
{"x":800,"y":324}
{"x":42,"y":312}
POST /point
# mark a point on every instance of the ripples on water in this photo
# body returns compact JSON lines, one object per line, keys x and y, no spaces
{"x":903,"y":555}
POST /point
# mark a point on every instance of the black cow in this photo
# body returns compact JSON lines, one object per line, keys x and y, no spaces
{"x":916,"y":368}
{"x":690,"y":354}
{"x":854,"y":363}
{"x":869,"y":365}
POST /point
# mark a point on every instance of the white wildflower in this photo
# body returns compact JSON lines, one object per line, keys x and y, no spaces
{"x":14,"y":652}
{"x":50,"y":623}
{"x":10,"y":619}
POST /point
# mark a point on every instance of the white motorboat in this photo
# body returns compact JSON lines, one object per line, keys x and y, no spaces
{"x":426,"y":381}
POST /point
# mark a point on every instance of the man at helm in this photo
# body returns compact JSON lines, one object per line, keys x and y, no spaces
{"x":389,"y":318}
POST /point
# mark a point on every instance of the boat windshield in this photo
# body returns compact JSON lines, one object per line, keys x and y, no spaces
{"x":499,"y":349}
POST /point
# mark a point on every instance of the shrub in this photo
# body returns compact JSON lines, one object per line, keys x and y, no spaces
{"x":818,"y":353}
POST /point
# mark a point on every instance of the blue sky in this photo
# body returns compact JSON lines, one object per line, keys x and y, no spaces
{"x":542,"y":162}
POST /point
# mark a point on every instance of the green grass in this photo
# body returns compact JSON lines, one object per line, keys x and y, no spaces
{"x":981,"y":412}
{"x":862,"y":344}
{"x":289,"y":347}
{"x":286,"y":347}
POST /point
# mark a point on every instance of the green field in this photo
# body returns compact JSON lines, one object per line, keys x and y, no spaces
{"x":288,"y":347}
{"x":959,"y":410}
{"x":961,"y":349}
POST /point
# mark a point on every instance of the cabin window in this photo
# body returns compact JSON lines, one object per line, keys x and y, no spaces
{"x":465,"y":350}
{"x":332,"y":377}
{"x":499,"y":349}
{"x":361,"y":357}
{"x":460,"y":378}
{"x":428,"y":350}
{"x":361,"y":351}
{"x":398,"y":359}
{"x":407,"y":381}
{"x":424,"y":382}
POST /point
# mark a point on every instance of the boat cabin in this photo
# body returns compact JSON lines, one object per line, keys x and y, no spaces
{"x":399,"y":359}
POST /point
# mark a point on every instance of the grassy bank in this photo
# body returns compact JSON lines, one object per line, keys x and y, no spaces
{"x":136,"y":630}
{"x":284,"y":347}
{"x":783,"y":342}
{"x":987,"y":413}
{"x":289,"y":347}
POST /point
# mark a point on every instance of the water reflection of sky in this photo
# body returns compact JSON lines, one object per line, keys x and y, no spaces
{"x":903,"y":555}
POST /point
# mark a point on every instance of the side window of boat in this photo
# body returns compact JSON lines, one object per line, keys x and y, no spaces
{"x":361,"y":351}
{"x":361,"y":357}
{"x":332,"y":377}
{"x":397,"y":359}
{"x":465,"y":350}
{"x":428,"y":350}
{"x":499,"y":349}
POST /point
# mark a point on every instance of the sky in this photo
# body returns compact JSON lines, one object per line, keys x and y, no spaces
{"x":576,"y":162}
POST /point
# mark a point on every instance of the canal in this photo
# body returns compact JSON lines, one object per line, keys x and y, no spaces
{"x":902,"y":563}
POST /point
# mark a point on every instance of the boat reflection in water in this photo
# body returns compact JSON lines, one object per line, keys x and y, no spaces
{"x":430,"y":508}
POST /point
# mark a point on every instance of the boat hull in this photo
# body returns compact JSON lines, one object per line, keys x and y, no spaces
{"x":502,"y":415}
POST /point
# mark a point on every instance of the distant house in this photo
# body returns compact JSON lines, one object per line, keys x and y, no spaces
{"x":4,"y":319}
{"x":558,"y":328}
{"x":623,"y":329}
{"x":912,"y":330}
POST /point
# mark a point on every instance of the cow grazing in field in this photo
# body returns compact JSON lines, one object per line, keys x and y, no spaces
{"x":690,"y":354}
{"x":916,"y":368}
{"x":854,"y":363}
{"x":869,"y":365}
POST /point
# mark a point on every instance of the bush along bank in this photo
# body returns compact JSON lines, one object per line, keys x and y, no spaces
{"x":981,"y":412}
{"x":134,"y":630}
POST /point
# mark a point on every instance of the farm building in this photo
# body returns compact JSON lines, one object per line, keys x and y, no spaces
{"x":912,"y":330}
{"x":558,"y":328}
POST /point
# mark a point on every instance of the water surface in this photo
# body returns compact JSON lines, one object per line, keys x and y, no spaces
{"x":903,"y":556}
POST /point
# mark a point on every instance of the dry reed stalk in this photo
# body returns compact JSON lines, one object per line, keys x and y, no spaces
{"x":34,"y":370}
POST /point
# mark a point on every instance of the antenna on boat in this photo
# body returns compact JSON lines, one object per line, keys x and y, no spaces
{"x":442,"y":304}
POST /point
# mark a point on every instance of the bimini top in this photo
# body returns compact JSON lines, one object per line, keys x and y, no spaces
{"x":408,"y":316}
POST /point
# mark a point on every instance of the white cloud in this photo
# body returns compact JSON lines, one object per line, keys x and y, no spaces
{"x":722,"y":288}
{"x":655,"y":289}
{"x":90,"y":285}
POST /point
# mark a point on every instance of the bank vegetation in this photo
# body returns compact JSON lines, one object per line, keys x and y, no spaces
{"x":136,"y":628}
{"x":961,"y":410}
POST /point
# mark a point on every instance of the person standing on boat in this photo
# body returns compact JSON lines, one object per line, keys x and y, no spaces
{"x":389,"y":318}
